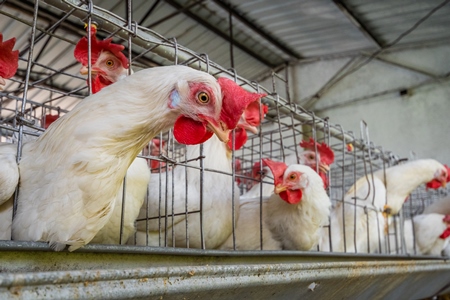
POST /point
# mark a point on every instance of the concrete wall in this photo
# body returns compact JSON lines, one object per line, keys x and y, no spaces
{"x":417,"y":122}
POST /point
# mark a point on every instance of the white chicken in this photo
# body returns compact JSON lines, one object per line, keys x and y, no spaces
{"x":109,"y":65}
{"x":9,"y":170}
{"x":68,"y":187}
{"x":215,"y":200}
{"x":426,"y":234}
{"x":293,"y":215}
{"x":324,"y":158}
{"x":362,"y":221}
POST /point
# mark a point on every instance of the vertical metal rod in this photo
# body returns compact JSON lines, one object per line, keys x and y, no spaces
{"x":230,"y":22}
{"x":172,"y":229}
{"x":25,"y":93}
{"x":147,"y":203}
{"x":202,"y":170}
{"x":124,"y":191}
{"x":343,"y":191}
{"x":166,"y":205}
{"x":122,"y":214}
{"x":233,"y":179}
{"x":89,"y":30}
{"x":277,"y":97}
{"x":186,"y":203}
{"x":261,"y":236}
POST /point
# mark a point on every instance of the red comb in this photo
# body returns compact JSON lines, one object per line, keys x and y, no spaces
{"x":9,"y":59}
{"x":81,"y":49}
{"x":277,"y":168}
{"x":326,"y":154}
{"x":235,"y":101}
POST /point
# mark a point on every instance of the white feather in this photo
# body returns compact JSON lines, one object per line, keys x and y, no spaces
{"x":422,"y":233}
{"x":217,"y":201}
{"x":364,"y":223}
{"x":71,"y":175}
{"x":137,"y":179}
{"x":298,"y":226}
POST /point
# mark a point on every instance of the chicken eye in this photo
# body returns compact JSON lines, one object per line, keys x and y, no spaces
{"x":311,"y":156}
{"x":110,"y":63}
{"x":203,"y":97}
{"x":293,"y":176}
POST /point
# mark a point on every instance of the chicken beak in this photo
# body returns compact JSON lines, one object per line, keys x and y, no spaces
{"x":444,"y":183}
{"x":85,"y":71}
{"x":2,"y":83}
{"x":221,"y":131}
{"x":324,"y":167}
{"x":280,"y":188}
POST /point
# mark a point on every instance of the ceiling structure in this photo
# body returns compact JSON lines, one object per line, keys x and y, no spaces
{"x":255,"y":38}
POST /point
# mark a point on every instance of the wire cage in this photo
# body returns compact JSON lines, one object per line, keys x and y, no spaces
{"x":46,"y":87}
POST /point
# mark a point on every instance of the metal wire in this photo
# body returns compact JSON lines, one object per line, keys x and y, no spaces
{"x":278,"y":137}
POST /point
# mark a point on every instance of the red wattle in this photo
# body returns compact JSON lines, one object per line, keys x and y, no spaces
{"x":49,"y":119}
{"x":324,"y":179}
{"x":190,"y":132}
{"x":291,"y":196}
{"x":240,"y":138}
{"x":445,"y":234}
{"x":434,"y":184}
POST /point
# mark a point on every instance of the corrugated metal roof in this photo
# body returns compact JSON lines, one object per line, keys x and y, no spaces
{"x":387,"y":20}
{"x":266,"y":35}
{"x":311,"y":28}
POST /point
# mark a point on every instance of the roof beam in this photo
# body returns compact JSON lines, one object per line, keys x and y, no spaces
{"x":267,"y":36}
{"x":358,"y":23}
{"x":223,"y":35}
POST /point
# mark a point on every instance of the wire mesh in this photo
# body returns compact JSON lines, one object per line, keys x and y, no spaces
{"x":182,"y":205}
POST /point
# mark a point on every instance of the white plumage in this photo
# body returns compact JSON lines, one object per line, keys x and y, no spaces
{"x":248,"y":227}
{"x":298,"y":226}
{"x":422,"y":235}
{"x":364,"y":221}
{"x":9,"y":171}
{"x":71,"y":175}
{"x":9,"y":178}
{"x":217,"y":200}
{"x":293,"y":226}
{"x":365,"y":224}
{"x":137,"y":179}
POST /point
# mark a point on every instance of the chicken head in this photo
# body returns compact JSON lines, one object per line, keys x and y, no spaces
{"x":289,"y":182}
{"x":441,"y":177}
{"x":235,"y":100}
{"x":108,"y":63}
